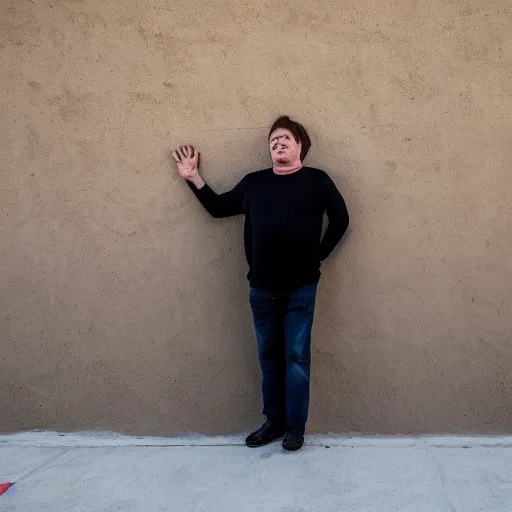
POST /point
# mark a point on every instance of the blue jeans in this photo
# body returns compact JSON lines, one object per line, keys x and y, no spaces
{"x":283,"y":323}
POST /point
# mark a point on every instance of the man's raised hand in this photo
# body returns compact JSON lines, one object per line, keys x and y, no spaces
{"x":187,"y":159}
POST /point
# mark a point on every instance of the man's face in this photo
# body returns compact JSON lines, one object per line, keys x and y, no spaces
{"x":284,"y":149}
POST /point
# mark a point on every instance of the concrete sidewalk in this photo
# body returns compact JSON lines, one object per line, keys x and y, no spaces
{"x":104,"y":472}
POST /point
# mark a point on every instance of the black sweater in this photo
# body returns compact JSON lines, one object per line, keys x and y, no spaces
{"x":283,"y":223}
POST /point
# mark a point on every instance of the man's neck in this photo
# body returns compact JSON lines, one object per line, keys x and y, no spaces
{"x":287,"y":168}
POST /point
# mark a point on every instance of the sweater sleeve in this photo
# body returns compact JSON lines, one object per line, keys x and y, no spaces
{"x":337,"y":215}
{"x":221,"y":205}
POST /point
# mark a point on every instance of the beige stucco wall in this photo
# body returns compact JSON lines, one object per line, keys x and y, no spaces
{"x":124,"y":306}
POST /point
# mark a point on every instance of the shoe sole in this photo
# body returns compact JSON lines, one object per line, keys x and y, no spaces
{"x":294,"y":449}
{"x":264,"y":444}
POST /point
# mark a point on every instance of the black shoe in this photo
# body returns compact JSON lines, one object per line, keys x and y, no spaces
{"x":266,"y":434}
{"x":293,"y":440}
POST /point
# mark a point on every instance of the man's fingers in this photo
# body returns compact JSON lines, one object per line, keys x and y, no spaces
{"x":184,"y":152}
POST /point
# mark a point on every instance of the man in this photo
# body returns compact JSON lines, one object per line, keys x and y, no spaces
{"x":283,"y":208}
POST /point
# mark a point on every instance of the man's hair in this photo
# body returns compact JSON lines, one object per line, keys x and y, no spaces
{"x":298,"y":131}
